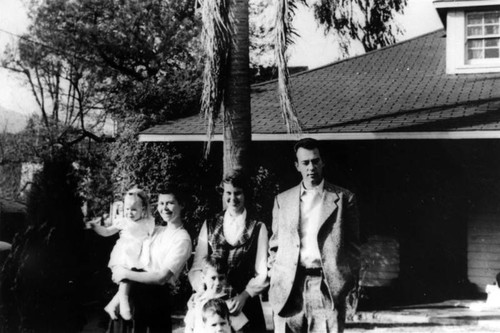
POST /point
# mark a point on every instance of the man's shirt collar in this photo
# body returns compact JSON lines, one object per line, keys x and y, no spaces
{"x":318,"y":189}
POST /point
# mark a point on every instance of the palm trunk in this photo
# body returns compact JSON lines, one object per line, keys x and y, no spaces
{"x":237,"y":113}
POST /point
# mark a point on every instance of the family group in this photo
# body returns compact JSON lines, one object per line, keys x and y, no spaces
{"x":309,"y":264}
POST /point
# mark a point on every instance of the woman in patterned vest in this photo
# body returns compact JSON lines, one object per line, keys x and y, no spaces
{"x":243,"y":242}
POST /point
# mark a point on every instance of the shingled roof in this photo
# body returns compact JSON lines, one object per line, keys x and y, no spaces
{"x":401,"y":91}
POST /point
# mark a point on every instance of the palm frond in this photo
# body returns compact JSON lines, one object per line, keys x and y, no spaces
{"x":283,"y":38}
{"x":216,"y":40}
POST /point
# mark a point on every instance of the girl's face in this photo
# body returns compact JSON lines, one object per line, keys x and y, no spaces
{"x":132,"y":208}
{"x":169,"y":208}
{"x":234,"y":198}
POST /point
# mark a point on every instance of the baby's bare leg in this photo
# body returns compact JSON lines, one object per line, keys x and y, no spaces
{"x":112,"y":307}
{"x":123,"y":292}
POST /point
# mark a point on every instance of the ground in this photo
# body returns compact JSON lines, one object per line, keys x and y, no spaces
{"x":450,"y":316}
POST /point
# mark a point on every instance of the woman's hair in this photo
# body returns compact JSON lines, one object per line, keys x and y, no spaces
{"x":214,"y":306}
{"x":173,"y":189}
{"x":498,"y":279}
{"x":216,"y":262}
{"x":142,"y":197}
{"x":237,"y":179}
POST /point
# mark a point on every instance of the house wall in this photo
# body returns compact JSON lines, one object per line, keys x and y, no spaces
{"x":421,"y":194}
{"x":379,"y":261}
{"x":483,"y":251}
{"x":10,"y":175}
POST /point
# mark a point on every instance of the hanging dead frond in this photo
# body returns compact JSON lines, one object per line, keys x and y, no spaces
{"x":216,"y":40}
{"x":283,"y":38}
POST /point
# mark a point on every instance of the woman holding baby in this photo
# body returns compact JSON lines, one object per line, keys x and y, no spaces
{"x":168,"y":248}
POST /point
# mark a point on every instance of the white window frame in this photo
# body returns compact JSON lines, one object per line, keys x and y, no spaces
{"x":456,"y":45}
{"x":483,"y":37}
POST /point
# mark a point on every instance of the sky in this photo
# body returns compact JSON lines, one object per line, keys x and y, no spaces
{"x":311,"y":49}
{"x":13,"y":94}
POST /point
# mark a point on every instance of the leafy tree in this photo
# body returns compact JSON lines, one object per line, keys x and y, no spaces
{"x":369,"y":22}
{"x":261,"y":17}
{"x":87,"y":61}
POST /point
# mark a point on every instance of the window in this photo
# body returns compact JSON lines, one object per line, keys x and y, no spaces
{"x":482,"y":37}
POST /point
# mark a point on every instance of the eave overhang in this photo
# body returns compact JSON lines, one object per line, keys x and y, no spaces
{"x":346,"y":136}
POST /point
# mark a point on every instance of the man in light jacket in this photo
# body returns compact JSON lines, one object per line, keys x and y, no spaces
{"x":314,"y":250}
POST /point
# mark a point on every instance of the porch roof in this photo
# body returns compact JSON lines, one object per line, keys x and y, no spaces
{"x":398,"y":92}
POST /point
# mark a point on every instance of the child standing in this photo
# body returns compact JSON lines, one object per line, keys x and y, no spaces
{"x":132,"y":248}
{"x":214,"y":280}
{"x":215,"y":316}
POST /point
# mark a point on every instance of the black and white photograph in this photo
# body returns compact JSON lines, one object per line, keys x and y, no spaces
{"x":249,"y":166}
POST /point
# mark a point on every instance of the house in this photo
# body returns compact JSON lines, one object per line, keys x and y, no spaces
{"x":12,"y":219}
{"x":414,"y":130}
{"x":15,"y":179}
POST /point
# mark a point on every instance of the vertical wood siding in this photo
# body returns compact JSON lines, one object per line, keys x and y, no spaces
{"x":379,"y":261}
{"x":483,"y":249}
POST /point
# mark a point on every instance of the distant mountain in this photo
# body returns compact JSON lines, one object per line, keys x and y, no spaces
{"x":12,"y":121}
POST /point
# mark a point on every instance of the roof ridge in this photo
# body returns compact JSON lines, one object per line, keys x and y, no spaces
{"x":351,"y":58}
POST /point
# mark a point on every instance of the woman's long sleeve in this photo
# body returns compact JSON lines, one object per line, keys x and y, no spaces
{"x":257,"y":284}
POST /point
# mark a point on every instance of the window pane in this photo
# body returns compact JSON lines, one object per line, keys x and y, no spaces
{"x":491,"y":42}
{"x":475,"y":19}
{"x":475,"y":44}
{"x":491,"y":17}
{"x":491,"y":29}
{"x":491,"y":53}
{"x":474,"y":31}
{"x":475,"y":54}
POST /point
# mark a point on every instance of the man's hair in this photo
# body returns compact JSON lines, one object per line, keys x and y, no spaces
{"x":498,"y":279}
{"x":216,"y":262}
{"x":214,"y":306}
{"x":307,"y":143}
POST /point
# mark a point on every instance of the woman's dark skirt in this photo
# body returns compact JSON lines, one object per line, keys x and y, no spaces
{"x":151,"y":311}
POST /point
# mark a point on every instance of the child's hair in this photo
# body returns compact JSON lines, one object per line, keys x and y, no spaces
{"x":214,"y":306}
{"x":143,"y":197}
{"x":216,"y":262}
{"x":498,"y":279}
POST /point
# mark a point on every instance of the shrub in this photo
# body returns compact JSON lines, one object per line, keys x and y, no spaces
{"x":40,"y":279}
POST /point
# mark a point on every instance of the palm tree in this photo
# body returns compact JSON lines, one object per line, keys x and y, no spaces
{"x":225,"y":38}
{"x":226,"y":77}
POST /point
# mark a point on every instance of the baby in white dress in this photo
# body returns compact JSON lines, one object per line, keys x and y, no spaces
{"x":132,"y":248}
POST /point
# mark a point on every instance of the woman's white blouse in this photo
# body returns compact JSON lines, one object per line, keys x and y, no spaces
{"x":170,"y":249}
{"x":234,"y":226}
{"x":232,"y":233}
